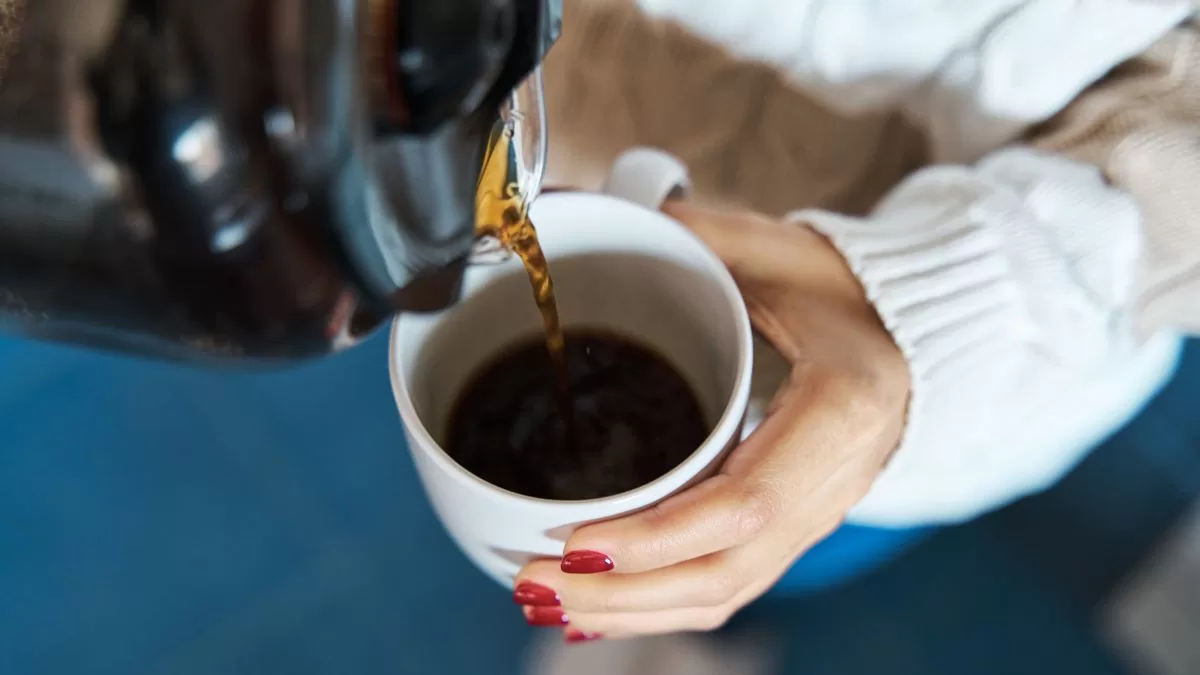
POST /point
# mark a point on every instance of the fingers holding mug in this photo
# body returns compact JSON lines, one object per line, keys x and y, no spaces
{"x":696,"y":595}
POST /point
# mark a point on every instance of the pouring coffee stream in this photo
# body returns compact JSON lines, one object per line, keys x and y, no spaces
{"x":502,"y":213}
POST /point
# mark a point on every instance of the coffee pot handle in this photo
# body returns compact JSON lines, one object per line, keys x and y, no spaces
{"x":649,"y":177}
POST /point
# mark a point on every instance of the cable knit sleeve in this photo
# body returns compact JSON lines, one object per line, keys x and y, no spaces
{"x":1038,"y":293}
{"x":1010,"y":287}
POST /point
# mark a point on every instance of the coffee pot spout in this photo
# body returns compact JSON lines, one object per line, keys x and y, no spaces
{"x":425,"y":166}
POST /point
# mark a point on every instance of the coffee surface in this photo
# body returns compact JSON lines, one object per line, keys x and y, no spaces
{"x":632,"y":418}
{"x":564,"y":417}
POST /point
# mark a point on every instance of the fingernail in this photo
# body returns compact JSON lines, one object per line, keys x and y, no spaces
{"x":545,"y":617}
{"x":575,"y":637}
{"x":586,"y":562}
{"x":535,"y":595}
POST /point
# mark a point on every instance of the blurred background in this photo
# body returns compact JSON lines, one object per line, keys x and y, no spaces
{"x":164,"y":521}
{"x":159,"y":520}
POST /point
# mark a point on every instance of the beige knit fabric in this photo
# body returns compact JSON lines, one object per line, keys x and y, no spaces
{"x":1141,"y":126}
{"x":11,"y":19}
{"x":618,"y":79}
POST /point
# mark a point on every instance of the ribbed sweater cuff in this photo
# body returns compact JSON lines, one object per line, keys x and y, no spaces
{"x":941,"y":285}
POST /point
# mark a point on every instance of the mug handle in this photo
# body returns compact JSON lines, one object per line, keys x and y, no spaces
{"x":644,"y":176}
{"x":648,"y":177}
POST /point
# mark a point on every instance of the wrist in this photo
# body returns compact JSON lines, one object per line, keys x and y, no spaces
{"x":824,"y":273}
{"x":823,"y":270}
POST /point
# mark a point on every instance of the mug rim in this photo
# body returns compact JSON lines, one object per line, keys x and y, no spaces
{"x":725,"y":430}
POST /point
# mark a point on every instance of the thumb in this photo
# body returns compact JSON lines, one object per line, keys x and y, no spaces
{"x":763,"y":252}
{"x":754,"y":246}
{"x":719,"y":228}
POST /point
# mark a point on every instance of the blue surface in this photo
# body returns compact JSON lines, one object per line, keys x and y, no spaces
{"x":1016,"y":591}
{"x":844,"y":556}
{"x":161,"y":520}
{"x":961,"y":603}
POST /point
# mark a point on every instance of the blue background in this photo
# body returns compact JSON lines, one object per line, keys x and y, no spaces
{"x":156,"y":519}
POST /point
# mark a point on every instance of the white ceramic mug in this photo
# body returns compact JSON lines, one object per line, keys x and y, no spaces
{"x":618,"y":264}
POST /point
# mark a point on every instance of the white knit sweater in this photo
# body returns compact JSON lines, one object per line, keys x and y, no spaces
{"x":1010,"y":278}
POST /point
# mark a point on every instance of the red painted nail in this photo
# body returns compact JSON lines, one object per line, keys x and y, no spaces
{"x":546,"y":617}
{"x":576,"y":636}
{"x":586,"y":562}
{"x":535,"y":595}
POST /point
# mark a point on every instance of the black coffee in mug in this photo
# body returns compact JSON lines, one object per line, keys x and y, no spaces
{"x":625,"y":418}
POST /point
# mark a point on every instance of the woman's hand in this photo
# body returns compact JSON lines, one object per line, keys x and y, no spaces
{"x":691,"y":562}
